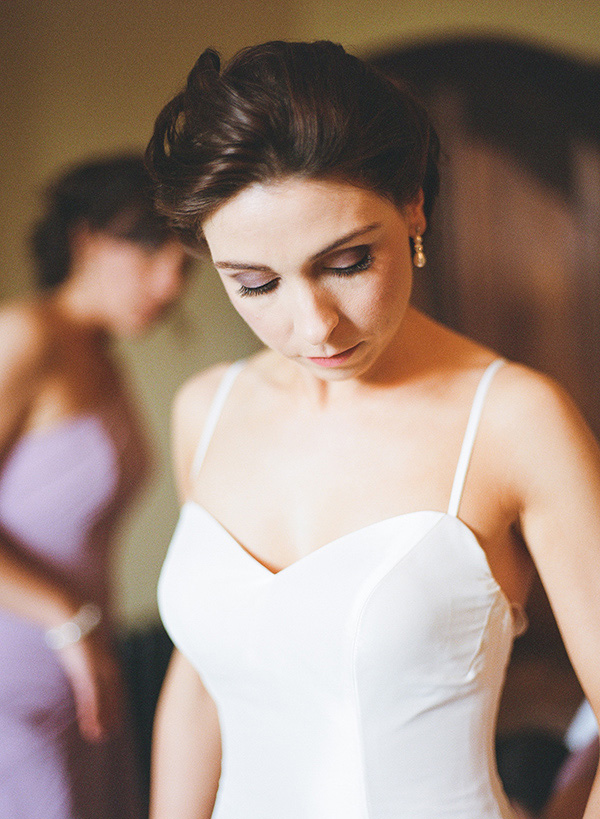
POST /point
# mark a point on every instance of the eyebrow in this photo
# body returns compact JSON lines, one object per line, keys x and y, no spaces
{"x":338,"y":242}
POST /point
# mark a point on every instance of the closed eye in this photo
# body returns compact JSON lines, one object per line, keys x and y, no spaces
{"x":244,"y":290}
{"x":342,"y":263}
{"x":350,"y":261}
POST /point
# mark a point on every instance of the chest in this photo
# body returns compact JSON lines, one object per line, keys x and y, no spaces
{"x":287,"y":487}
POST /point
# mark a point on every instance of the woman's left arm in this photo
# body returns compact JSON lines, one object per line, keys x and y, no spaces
{"x":556,"y":474}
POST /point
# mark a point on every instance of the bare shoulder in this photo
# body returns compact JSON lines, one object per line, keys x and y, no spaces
{"x":527,"y":401}
{"x":540,"y":436}
{"x":193,"y":398}
{"x":189,"y":413}
{"x":24,"y":337}
{"x":25,"y":353}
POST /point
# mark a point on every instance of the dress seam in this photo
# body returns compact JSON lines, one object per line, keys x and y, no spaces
{"x":353,"y":653}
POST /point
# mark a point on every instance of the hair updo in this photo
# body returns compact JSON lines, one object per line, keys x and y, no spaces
{"x":112,"y":195}
{"x":287,"y":109}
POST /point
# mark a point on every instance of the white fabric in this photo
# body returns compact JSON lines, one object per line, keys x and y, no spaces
{"x":583,"y":728}
{"x":361,"y":682}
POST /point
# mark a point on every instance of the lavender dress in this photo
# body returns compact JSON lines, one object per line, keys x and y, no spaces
{"x":60,"y":492}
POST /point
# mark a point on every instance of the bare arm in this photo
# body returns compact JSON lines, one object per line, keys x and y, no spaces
{"x":186,"y":757}
{"x":556,"y":472}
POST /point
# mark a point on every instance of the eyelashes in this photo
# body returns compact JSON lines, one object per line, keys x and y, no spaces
{"x":257,"y":291}
{"x":364,"y":263}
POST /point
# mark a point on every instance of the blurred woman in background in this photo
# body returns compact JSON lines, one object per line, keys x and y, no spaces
{"x":73,"y":456}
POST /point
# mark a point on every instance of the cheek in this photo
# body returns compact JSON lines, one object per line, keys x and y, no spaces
{"x":121,"y":286}
{"x":398,"y":287}
{"x":383,"y":301}
{"x":132,"y":294}
{"x":265,"y":320}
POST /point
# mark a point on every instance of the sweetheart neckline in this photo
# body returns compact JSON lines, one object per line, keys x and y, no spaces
{"x":354,"y":532}
{"x":516,"y":611}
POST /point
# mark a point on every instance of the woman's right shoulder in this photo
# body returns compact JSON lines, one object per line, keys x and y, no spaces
{"x":191,"y":407}
{"x":24,"y":336}
{"x":25,"y":355}
{"x":194,"y":398}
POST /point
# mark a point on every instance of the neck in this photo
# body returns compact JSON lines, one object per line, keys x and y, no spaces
{"x":73,"y":304}
{"x":77,"y":316}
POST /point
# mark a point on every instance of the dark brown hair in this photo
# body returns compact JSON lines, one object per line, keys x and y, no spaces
{"x":112,"y":195}
{"x":287,"y":109}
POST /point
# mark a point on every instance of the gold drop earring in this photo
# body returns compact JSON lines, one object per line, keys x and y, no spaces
{"x":419,"y":259}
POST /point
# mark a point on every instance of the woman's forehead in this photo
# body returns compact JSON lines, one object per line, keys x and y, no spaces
{"x":309,"y":212}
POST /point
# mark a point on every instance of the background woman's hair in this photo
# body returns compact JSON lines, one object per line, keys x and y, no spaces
{"x":112,"y":195}
{"x":282,"y":109}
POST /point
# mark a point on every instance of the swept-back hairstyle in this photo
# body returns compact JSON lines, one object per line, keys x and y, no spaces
{"x":287,"y":109}
{"x":113,"y":195}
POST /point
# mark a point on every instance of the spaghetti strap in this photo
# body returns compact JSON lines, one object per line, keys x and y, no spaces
{"x":214,"y":413}
{"x":469,"y":440}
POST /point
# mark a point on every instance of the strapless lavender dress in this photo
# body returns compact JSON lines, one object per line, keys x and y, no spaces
{"x":60,"y":492}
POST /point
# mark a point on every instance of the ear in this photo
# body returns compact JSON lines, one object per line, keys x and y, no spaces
{"x":415,"y":215}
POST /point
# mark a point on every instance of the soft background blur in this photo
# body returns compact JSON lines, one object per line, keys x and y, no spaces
{"x":87,"y":77}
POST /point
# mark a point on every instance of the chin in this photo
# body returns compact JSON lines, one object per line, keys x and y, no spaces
{"x":334,"y":373}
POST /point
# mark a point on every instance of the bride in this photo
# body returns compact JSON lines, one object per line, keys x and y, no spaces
{"x":364,"y":502}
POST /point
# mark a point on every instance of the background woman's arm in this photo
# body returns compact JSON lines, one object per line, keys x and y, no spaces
{"x":575,"y":780}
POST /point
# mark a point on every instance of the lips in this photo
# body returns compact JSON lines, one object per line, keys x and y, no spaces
{"x":334,"y":360}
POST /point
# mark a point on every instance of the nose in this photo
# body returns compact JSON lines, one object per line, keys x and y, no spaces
{"x":315,"y":315}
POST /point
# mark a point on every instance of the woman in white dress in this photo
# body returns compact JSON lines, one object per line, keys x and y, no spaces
{"x":365,"y":502}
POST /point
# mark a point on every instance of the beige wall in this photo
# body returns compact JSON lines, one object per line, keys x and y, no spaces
{"x":86,"y":76}
{"x":571,"y":25}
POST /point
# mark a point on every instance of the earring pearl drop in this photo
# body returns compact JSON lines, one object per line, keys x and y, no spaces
{"x":419,"y":259}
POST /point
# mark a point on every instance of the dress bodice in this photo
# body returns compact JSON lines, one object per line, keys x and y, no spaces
{"x":74,"y":465}
{"x":62,"y":490}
